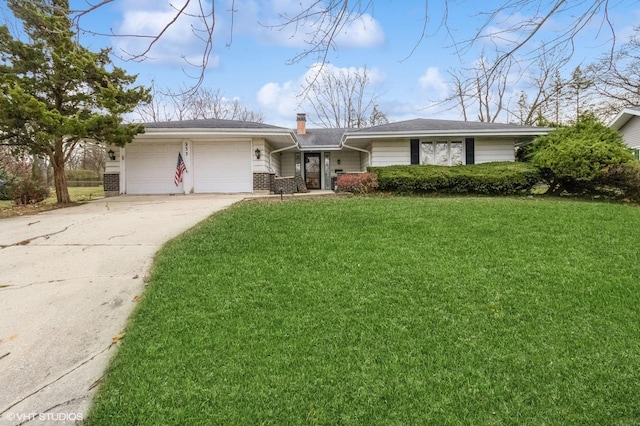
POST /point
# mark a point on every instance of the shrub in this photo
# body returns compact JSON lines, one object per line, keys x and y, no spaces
{"x":503,"y":178}
{"x":27,"y":191}
{"x":575,"y":158}
{"x":5,"y":178}
{"x":625,"y":178}
{"x":360,"y":183}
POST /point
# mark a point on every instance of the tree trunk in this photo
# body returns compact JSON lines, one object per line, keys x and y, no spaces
{"x":60,"y":178}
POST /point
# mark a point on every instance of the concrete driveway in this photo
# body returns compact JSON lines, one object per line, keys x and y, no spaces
{"x":68,"y":280}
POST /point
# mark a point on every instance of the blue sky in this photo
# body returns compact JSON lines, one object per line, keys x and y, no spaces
{"x":256,"y":68}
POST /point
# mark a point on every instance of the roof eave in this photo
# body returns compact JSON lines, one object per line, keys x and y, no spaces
{"x":200,"y":132}
{"x":622,"y":118}
{"x":455,"y":133}
{"x":320,"y":148}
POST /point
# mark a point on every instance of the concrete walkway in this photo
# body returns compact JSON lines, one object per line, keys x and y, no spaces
{"x":68,"y":281}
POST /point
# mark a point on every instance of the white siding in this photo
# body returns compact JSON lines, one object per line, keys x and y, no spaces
{"x":365,"y":159}
{"x":631,"y":132}
{"x":349,"y":161}
{"x":390,"y":152}
{"x":288,"y":163}
{"x":494,"y":149}
{"x":274,"y":161}
{"x":260,"y":165}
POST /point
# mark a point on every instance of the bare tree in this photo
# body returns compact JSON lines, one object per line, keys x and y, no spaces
{"x":181,"y":104}
{"x":322,"y":22}
{"x":480,"y":90}
{"x":207,"y":103}
{"x":377,"y":117}
{"x":579,"y":86}
{"x":88,"y":156}
{"x":342,"y":97}
{"x":617,"y":78}
{"x":159,"y":109}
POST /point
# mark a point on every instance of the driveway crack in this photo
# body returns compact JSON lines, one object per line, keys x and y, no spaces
{"x":86,"y":361}
{"x":29,"y":240}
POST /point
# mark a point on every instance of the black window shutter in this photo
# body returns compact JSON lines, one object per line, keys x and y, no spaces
{"x":469,"y":149}
{"x":415,"y":151}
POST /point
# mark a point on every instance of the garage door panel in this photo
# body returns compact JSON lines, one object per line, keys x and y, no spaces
{"x":222,"y":167}
{"x":150,"y":168}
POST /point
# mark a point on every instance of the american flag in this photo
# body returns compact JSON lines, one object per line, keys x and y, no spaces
{"x":180,"y":169}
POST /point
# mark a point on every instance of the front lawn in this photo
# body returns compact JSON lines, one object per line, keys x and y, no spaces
{"x":379,"y":311}
{"x":78,"y":194}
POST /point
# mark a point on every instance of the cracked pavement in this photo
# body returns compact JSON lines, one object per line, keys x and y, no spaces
{"x":68,"y":279}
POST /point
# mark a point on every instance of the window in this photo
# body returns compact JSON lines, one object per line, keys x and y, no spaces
{"x":442,"y":153}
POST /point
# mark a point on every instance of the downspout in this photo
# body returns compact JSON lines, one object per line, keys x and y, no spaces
{"x":359,"y":149}
{"x":277,"y":151}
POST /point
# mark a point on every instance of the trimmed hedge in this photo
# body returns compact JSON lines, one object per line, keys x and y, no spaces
{"x":500,"y":178}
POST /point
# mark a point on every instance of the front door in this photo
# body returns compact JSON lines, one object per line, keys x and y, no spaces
{"x":312,"y":170}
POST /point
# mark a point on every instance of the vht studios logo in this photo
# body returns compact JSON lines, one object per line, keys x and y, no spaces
{"x":51,"y":417}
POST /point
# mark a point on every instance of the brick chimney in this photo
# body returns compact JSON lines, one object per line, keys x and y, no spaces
{"x":302,"y":123}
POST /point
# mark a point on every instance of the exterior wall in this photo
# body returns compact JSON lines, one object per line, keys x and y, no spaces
{"x":275,"y":161}
{"x":390,"y":152}
{"x":365,"y":159}
{"x":260,"y":165}
{"x":631,"y":132}
{"x":494,"y":149}
{"x":288,"y":163}
{"x":349,"y":161}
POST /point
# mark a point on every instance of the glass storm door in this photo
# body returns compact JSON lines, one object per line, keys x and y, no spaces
{"x":312,"y":170}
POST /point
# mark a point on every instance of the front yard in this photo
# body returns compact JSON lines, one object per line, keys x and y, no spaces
{"x":78,"y":194}
{"x":388,"y":311}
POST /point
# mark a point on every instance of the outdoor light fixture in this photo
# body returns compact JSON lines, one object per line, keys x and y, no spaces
{"x":257,"y":151}
{"x":111,"y":154}
{"x":338,"y":161}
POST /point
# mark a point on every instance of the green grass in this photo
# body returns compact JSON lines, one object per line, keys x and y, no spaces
{"x":77,"y":194}
{"x":388,"y":311}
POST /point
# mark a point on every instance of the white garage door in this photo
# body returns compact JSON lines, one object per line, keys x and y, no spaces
{"x":150,"y":167}
{"x":222,"y":167}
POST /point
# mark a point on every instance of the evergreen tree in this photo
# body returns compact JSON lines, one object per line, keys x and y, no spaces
{"x":57,"y":93}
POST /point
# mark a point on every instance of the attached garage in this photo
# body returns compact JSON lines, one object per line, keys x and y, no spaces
{"x":220,"y":156}
{"x":215,"y":166}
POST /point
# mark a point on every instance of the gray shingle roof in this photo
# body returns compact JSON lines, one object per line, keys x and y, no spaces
{"x":321,"y":137}
{"x":423,"y":124}
{"x":212,"y":123}
{"x":331,"y":138}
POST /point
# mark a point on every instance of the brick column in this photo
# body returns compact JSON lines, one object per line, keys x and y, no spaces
{"x":111,"y":184}
{"x":263,"y":182}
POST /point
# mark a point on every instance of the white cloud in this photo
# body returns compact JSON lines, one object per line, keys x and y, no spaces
{"x":264,"y":20}
{"x":284,"y":100}
{"x":179,"y":43}
{"x":363,"y":32}
{"x":432,"y":81}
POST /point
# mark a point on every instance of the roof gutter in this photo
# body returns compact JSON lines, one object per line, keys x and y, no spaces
{"x":286,"y":148}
